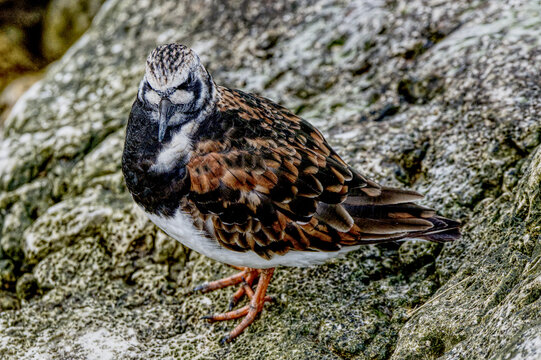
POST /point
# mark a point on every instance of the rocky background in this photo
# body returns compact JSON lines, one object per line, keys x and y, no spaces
{"x":439,"y":96}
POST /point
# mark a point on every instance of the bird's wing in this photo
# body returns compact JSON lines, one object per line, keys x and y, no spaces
{"x":269,"y":181}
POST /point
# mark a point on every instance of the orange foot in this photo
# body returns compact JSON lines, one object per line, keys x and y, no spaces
{"x":257,"y":299}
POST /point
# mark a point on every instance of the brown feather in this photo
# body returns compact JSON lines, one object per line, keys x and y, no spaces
{"x":384,"y":196}
{"x":392,"y":226}
{"x":334,"y":215}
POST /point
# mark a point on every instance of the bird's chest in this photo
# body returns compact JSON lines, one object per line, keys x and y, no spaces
{"x":157,"y":194}
{"x":157,"y":191}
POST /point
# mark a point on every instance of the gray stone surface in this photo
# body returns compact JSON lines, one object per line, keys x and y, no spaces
{"x":439,"y":96}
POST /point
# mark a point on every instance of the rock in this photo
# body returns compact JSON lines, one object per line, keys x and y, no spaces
{"x":14,"y":223}
{"x":165,"y":248}
{"x":13,"y":91}
{"x":23,"y":206}
{"x":26,"y":287}
{"x":7,"y":273}
{"x":8,"y":301}
{"x":417,"y":253}
{"x":420,"y":90}
{"x":446,"y":93}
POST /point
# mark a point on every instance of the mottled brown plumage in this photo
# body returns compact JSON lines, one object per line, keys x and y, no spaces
{"x":272,"y":184}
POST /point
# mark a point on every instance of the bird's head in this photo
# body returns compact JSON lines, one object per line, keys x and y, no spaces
{"x":176,"y":87}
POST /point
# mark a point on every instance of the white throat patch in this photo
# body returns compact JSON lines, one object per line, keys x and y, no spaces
{"x":175,"y":150}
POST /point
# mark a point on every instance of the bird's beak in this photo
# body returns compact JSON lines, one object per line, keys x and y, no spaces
{"x":165,"y":105}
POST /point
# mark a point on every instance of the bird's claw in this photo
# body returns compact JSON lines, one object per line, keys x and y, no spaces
{"x":199,"y":287}
{"x":225,"y":340}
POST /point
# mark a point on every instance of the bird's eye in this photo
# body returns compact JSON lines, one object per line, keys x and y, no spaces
{"x":186,"y":84}
{"x":182,"y":86}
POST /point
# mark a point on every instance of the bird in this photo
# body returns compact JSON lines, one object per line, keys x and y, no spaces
{"x":244,"y":181}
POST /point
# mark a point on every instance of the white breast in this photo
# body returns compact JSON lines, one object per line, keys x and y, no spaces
{"x":175,"y":149}
{"x":180,"y":227}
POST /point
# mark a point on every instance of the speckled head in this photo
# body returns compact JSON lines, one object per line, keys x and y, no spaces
{"x":170,"y":65}
{"x":176,"y":88}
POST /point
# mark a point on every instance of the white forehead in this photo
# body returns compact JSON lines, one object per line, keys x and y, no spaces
{"x":169,"y":66}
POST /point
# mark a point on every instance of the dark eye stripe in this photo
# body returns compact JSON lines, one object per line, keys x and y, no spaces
{"x":188,"y":84}
{"x":147,"y":88}
{"x":195,"y":88}
{"x":182,"y":86}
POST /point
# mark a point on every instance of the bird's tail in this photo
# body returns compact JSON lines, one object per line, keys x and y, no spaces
{"x":391,"y":215}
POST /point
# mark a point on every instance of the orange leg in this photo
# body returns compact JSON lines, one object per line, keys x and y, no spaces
{"x":244,"y":290}
{"x":256,"y":304}
{"x":257,"y":298}
{"x":225,"y":282}
{"x":246,"y":276}
{"x":230,"y":315}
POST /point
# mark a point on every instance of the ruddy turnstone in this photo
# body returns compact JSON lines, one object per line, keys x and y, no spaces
{"x":244,"y":181}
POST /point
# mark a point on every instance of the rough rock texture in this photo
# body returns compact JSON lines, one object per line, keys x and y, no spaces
{"x":13,"y":91}
{"x":436,"y":95}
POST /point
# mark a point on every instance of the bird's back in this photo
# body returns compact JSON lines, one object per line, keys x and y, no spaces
{"x":270,"y":183}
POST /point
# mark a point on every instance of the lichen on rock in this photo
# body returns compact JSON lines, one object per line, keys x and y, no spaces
{"x":441,"y":96}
